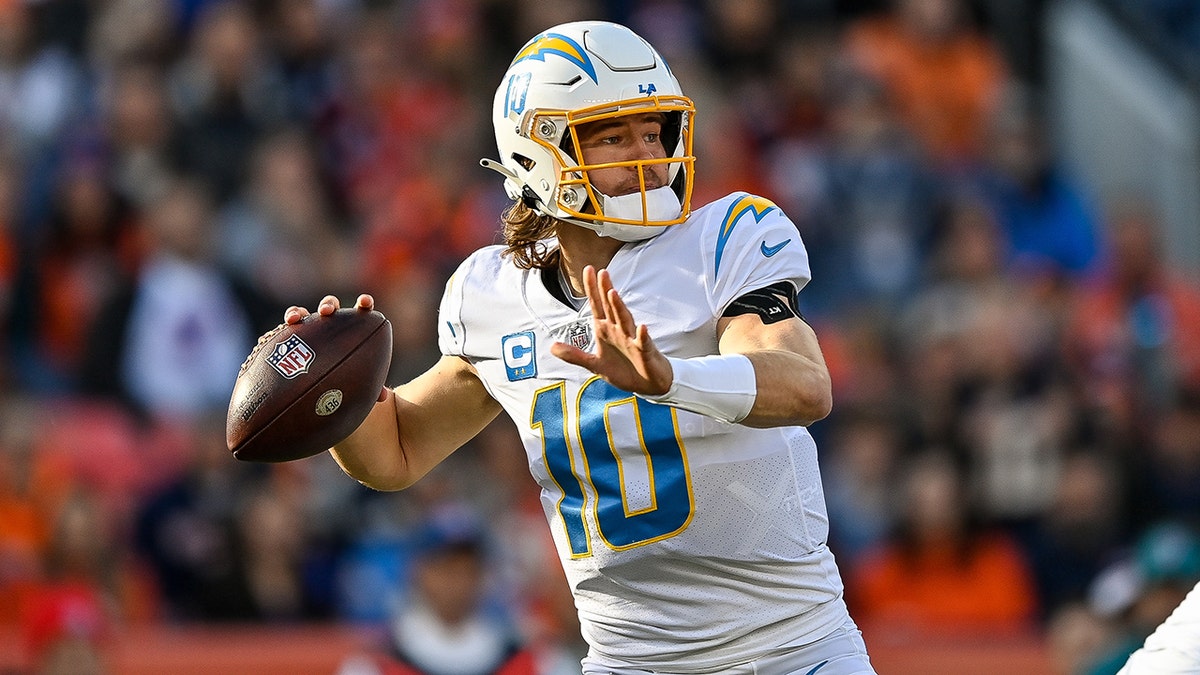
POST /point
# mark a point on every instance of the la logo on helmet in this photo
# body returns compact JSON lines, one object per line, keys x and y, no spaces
{"x":647,"y":89}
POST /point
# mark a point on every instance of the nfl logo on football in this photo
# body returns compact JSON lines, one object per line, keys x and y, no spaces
{"x":579,"y":335}
{"x":291,"y":357}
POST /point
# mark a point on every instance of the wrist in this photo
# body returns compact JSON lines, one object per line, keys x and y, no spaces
{"x":722,"y":386}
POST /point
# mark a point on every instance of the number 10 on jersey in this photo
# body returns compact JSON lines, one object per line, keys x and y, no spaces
{"x":604,"y":460}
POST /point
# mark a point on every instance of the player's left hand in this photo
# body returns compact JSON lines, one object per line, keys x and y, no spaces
{"x":625,"y":355}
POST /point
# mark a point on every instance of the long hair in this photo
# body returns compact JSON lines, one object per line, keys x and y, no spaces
{"x":525,"y":234}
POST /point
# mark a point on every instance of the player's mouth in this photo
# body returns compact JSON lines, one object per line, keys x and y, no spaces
{"x":652,"y":183}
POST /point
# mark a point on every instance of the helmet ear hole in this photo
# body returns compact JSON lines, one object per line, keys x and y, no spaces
{"x":525,"y":162}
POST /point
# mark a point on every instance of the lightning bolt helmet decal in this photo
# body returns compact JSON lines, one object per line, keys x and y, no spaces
{"x":561,"y":45}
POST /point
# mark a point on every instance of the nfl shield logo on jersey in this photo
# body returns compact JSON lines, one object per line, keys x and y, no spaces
{"x":579,"y":334}
{"x":291,"y":357}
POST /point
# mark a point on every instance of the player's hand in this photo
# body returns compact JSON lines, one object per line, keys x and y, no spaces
{"x":625,"y":355}
{"x":328,"y":305}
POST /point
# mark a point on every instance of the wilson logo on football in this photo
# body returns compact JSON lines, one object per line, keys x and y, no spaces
{"x":291,"y":357}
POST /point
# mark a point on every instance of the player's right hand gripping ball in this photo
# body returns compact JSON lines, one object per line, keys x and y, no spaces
{"x":307,"y":386}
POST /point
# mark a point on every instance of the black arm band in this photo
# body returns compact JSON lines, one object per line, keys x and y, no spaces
{"x":771,"y":303}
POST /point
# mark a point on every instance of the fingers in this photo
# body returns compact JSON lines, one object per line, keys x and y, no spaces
{"x":591,"y":288}
{"x":328,"y":305}
{"x":618,"y":310}
{"x":573,"y":355}
{"x":294,"y":314}
{"x":614,"y":308}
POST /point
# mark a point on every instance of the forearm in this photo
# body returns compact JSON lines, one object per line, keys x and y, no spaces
{"x":372,"y":454}
{"x":792,"y":389}
{"x":792,"y":384}
{"x":758,"y":388}
{"x":417,"y":426}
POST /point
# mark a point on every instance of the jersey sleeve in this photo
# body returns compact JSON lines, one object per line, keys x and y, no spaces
{"x":756,"y":245}
{"x":451,"y":327}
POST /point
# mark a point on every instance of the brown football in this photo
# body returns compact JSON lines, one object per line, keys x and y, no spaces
{"x":307,"y":386}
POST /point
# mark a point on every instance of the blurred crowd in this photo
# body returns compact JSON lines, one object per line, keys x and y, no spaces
{"x":1015,"y":445}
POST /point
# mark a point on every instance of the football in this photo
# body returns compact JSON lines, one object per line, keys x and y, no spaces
{"x":307,"y":386}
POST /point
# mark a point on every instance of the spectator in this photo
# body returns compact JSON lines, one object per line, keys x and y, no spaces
{"x":865,"y":200}
{"x":965,"y":291}
{"x":942,"y":574}
{"x":739,"y":37}
{"x":139,"y":133}
{"x":277,"y":554}
{"x":184,"y":531}
{"x":1075,"y":635}
{"x":1048,"y":222}
{"x":163,"y":355}
{"x":862,"y":464}
{"x":68,"y":632}
{"x":1075,"y":539}
{"x":281,"y":233}
{"x":1135,"y":323}
{"x":1013,"y":412}
{"x":445,"y":627}
{"x":1170,"y":461}
{"x":374,"y":138}
{"x":40,"y":85}
{"x":24,"y":512}
{"x":943,"y":76}
{"x":125,"y":33}
{"x":87,"y":252}
{"x":302,"y":36}
{"x":89,"y":589}
{"x":226,"y":93}
{"x":1139,"y":591}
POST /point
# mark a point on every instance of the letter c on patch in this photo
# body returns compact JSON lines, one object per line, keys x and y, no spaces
{"x":518,"y":352}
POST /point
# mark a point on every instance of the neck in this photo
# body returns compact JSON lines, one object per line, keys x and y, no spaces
{"x":580,"y":247}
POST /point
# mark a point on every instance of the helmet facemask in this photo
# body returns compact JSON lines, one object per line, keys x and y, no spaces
{"x":577,"y":197}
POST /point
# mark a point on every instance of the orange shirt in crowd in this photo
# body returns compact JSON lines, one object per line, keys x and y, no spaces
{"x":943,"y":91}
{"x":942,"y":590}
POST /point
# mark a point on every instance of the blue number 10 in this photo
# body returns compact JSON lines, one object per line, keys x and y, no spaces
{"x":620,"y":527}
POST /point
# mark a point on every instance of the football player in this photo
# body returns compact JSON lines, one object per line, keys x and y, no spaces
{"x":653,"y":359}
{"x":1174,"y":647}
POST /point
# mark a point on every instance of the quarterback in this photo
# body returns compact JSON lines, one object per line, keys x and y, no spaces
{"x":653,"y":360}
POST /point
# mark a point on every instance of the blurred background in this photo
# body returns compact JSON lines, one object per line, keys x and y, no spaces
{"x":1001,"y":200}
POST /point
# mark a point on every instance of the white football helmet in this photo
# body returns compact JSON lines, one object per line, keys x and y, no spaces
{"x":577,"y":73}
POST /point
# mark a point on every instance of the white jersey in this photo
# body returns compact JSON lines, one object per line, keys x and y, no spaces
{"x":689,"y":544}
{"x":1174,"y":647}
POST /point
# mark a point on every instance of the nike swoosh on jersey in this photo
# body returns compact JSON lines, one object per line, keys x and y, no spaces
{"x":769,"y":251}
{"x":823,"y":663}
